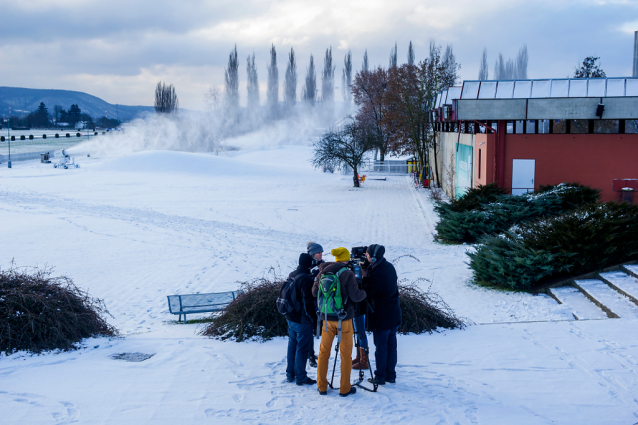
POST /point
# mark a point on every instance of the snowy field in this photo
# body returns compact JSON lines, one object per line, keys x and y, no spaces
{"x":133,"y":229}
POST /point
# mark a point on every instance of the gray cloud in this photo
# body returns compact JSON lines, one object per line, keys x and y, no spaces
{"x":119,"y":50}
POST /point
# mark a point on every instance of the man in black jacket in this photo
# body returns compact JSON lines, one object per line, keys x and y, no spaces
{"x":380,"y":283}
{"x":300,"y":324}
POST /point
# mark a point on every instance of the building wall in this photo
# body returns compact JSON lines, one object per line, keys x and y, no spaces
{"x":446,"y":157}
{"x":590,"y":159}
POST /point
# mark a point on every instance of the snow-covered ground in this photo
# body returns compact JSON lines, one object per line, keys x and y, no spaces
{"x":134,"y":229}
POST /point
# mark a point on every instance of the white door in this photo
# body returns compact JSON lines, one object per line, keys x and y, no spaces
{"x":523,"y":176}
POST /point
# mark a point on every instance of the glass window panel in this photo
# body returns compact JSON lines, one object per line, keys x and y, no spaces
{"x":578,"y":88}
{"x":560,"y":88}
{"x":522,"y":89}
{"x":596,"y":87}
{"x":616,"y":87}
{"x":510,"y":127}
{"x":470,"y":90}
{"x":443,"y":97}
{"x":579,"y":127}
{"x":453,"y":93}
{"x":559,"y":127}
{"x":488,"y":90}
{"x":531,"y":127}
{"x":519,"y":127}
{"x":631,"y":126}
{"x":505,"y":89}
{"x":606,"y":126}
{"x":632,"y":87}
{"x":543,"y":126}
{"x":540,"y":88}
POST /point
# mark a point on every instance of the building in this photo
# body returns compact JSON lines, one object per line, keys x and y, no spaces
{"x":527,"y":133}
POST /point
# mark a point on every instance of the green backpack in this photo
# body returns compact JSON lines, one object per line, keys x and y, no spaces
{"x":330,"y":299}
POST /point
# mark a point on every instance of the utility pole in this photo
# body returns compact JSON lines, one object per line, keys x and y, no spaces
{"x":9,"y":136}
{"x":635,"y":54}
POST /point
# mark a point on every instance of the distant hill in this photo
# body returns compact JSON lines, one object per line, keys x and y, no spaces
{"x":23,"y":101}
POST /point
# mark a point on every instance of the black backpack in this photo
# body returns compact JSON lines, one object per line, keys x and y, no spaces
{"x":287,"y":302}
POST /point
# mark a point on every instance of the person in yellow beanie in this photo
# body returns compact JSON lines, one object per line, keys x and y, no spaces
{"x":336,"y":323}
{"x":341,"y":254}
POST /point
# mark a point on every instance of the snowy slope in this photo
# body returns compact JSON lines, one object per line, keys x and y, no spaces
{"x":134,"y":229}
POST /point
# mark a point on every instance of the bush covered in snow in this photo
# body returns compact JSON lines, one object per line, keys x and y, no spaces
{"x":253,"y":314}
{"x":487,"y":210}
{"x":39,"y":312}
{"x":589,"y":239}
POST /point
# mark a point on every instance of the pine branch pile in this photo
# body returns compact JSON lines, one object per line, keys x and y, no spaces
{"x":425,"y":311}
{"x":252,"y":315}
{"x":39,"y":312}
{"x":487,"y":210}
{"x":587,"y":240}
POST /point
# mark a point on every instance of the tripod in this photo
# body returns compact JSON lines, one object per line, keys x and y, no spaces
{"x":359,"y":382}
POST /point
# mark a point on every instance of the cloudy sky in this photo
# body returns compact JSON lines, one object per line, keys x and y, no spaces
{"x":118,"y":50}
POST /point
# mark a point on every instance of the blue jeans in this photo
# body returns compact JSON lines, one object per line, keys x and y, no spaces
{"x":385,"y":354}
{"x":360,"y":329}
{"x":299,"y":337}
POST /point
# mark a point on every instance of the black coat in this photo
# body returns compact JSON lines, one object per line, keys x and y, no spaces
{"x":383,"y":295}
{"x":308,"y":314}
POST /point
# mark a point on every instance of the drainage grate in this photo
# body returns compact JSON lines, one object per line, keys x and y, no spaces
{"x":132,"y":357}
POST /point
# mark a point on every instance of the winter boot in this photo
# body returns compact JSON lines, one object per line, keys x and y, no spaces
{"x":312,"y":360}
{"x":361,"y":360}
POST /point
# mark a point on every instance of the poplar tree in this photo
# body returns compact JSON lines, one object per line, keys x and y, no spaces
{"x":272,"y":95}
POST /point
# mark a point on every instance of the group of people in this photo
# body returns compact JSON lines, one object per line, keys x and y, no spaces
{"x":375,"y":300}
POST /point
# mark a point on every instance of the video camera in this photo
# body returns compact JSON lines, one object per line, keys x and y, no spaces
{"x":357,"y":256}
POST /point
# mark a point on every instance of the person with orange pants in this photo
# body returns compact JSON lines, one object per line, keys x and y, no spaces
{"x":338,"y":324}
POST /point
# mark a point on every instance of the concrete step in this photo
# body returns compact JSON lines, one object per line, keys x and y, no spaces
{"x":582,"y":308}
{"x":612,"y":302}
{"x":623,"y":283}
{"x":630,"y":269}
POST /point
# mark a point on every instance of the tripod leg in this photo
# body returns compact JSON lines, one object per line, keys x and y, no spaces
{"x":334,"y":366}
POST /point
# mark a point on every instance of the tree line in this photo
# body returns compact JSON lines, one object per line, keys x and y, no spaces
{"x":393,"y":111}
{"x":41,"y":118}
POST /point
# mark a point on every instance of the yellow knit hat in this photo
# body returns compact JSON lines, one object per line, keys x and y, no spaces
{"x":341,"y":254}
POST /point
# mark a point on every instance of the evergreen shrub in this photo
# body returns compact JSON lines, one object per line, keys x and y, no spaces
{"x":487,"y":210}
{"x":589,"y":239}
{"x":39,"y":312}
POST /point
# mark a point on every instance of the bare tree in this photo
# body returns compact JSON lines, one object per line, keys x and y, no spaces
{"x":272,"y":95}
{"x":310,"y":85}
{"x":345,"y":147}
{"x":346,"y":79}
{"x":512,"y":69}
{"x":393,"y":57}
{"x":483,"y":71}
{"x":166,"y":101}
{"x":450,"y":75}
{"x":252,"y":85}
{"x":327,"y":87}
{"x":365,"y":67}
{"x":521,"y":63}
{"x":232,"y":83}
{"x":410,"y":54}
{"x":290,"y":84}
{"x":589,"y":69}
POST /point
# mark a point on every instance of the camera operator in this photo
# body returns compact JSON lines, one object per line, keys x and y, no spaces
{"x":380,"y":283}
{"x":350,"y":294}
{"x":316,"y":252}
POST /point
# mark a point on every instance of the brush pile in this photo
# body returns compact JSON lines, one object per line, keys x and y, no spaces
{"x":39,"y":312}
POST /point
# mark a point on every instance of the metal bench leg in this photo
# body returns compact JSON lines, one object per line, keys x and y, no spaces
{"x":184,"y":319}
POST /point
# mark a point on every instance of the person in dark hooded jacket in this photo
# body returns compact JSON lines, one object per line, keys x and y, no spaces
{"x":380,"y":283}
{"x":300,"y":324}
